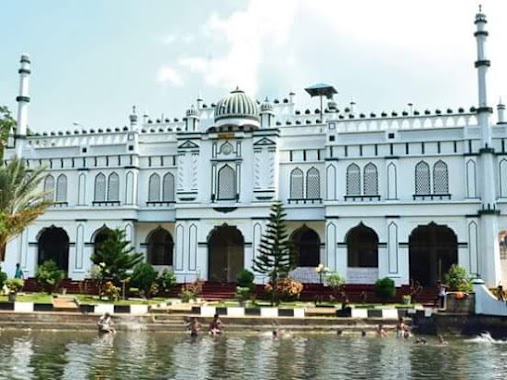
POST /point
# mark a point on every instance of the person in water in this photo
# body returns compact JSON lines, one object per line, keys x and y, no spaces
{"x":216,"y":327}
{"x":194,"y":326}
{"x":441,"y":340}
{"x":381,"y":333}
{"x":105,"y":324}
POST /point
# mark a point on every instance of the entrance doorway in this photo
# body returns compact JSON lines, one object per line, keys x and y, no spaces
{"x":53,"y":244}
{"x":225,"y":254}
{"x":432,"y":250}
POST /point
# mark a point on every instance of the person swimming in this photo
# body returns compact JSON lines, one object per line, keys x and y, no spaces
{"x":105,"y":324}
{"x":216,"y":327}
{"x":194,"y":327}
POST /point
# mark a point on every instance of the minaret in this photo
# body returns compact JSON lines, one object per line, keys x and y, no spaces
{"x":133,"y":119}
{"x":192,"y":120}
{"x":489,"y":252}
{"x":23,"y":99}
{"x":500,"y":108}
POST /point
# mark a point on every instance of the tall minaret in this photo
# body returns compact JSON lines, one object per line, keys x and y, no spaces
{"x":23,"y":99}
{"x":489,"y":250}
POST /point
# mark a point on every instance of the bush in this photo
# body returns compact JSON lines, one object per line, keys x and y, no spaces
{"x":166,"y":280}
{"x":245,"y":279}
{"x":385,"y":289}
{"x":49,"y":276}
{"x":144,"y":278}
{"x":286,"y":288}
{"x":111,"y":291}
{"x":191,"y":291}
{"x":334,"y":281}
{"x":243,"y":293}
{"x":15,"y":284}
{"x":458,"y":279}
{"x":3,"y":279}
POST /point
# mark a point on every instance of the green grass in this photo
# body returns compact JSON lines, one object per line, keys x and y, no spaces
{"x":87,"y":299}
{"x":31,"y":297}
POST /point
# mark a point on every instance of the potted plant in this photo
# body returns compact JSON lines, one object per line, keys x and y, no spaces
{"x":14,"y":285}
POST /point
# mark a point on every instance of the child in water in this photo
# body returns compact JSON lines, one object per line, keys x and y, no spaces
{"x":194,"y":326}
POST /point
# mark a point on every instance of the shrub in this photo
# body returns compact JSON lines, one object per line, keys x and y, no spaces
{"x":334,"y":281}
{"x":245,"y":279}
{"x":458,"y":279}
{"x":15,"y":284}
{"x":191,"y":291}
{"x":144,"y":278}
{"x":385,"y":289}
{"x":3,"y":279}
{"x":166,"y":280}
{"x":49,"y":276}
{"x":111,"y":291}
{"x":287,"y":288}
{"x":243,"y":293}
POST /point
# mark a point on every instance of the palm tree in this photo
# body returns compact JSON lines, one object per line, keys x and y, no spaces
{"x":21,"y":197}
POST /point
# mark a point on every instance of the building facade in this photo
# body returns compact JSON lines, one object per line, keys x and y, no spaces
{"x":400,"y":195}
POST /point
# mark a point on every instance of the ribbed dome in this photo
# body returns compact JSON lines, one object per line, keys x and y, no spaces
{"x":237,"y":105}
{"x":266,"y":106}
{"x":192,"y":112}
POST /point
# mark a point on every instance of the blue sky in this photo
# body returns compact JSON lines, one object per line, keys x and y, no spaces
{"x":92,"y":60}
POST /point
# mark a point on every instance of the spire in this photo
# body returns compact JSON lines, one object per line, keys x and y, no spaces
{"x":23,"y":99}
{"x":133,"y":119}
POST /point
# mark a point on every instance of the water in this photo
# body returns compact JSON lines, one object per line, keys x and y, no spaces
{"x":147,"y":355}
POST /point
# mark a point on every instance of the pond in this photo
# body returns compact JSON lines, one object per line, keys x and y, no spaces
{"x":147,"y":355}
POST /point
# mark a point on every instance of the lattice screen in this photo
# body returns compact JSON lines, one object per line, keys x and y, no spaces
{"x":61,"y":188}
{"x":353,"y":180}
{"x":168,"y":188}
{"x":370,"y":180}
{"x":154,"y":188}
{"x":296,"y":184}
{"x":440,"y":178}
{"x":226,"y":183}
{"x":49,"y":188}
{"x":313,"y":184}
{"x":422,"y":178}
{"x":113,"y":187}
{"x":100,"y":188}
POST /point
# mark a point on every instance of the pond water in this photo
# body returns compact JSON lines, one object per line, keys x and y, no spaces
{"x":147,"y":355}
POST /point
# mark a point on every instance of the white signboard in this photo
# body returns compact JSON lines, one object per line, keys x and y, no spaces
{"x":362,"y":275}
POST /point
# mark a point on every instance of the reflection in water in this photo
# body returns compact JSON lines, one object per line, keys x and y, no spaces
{"x":146,"y":355}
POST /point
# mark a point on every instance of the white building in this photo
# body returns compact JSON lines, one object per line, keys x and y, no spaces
{"x":399,"y":195}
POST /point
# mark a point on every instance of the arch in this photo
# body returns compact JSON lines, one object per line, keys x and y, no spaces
{"x":306,"y":244}
{"x":362,"y":247}
{"x":168,"y":188}
{"x":370,"y":180}
{"x":353,"y":180}
{"x":100,"y":237}
{"x":154,"y":188}
{"x":432,"y":249}
{"x":61,"y":188}
{"x":313,"y":183}
{"x":422,"y":179}
{"x":160,"y":247}
{"x":331,"y":183}
{"x":471,"y":180}
{"x":113,"y":187}
{"x":49,"y":187}
{"x":392,"y":191}
{"x":503,"y":178}
{"x":296,"y":184}
{"x":226,"y":183}
{"x":440,"y":178}
{"x":225,"y":253}
{"x":53,"y":244}
{"x":100,"y":188}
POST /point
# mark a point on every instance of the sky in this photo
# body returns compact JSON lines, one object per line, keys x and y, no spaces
{"x":93,"y":60}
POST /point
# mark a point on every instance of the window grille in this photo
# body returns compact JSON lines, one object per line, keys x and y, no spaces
{"x":113,"y":187}
{"x":440,"y":178}
{"x":226,"y":183}
{"x":353,"y":180}
{"x":370,"y":180}
{"x":422,"y":178}
{"x":49,"y":188}
{"x":154,"y":188}
{"x":296,"y":184}
{"x":313,"y":184}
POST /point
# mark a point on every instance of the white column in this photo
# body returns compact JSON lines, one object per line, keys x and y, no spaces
{"x":23,"y":99}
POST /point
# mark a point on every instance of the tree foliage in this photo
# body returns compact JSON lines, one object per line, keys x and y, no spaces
{"x":49,"y":276}
{"x":7,"y":126}
{"x":21,"y":199}
{"x":115,"y":257}
{"x":276,"y":254}
{"x":458,"y":279}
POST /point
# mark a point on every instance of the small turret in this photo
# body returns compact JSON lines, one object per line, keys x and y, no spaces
{"x":501,"y":112}
{"x":133,"y":119}
{"x":192,"y":119}
{"x":267,"y":114}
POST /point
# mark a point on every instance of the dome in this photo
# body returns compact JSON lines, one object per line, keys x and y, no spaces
{"x":266,"y":106}
{"x":192,"y":112}
{"x":237,"y":106}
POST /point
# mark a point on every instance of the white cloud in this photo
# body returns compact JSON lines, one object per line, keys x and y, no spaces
{"x":167,"y":74}
{"x":169,"y":39}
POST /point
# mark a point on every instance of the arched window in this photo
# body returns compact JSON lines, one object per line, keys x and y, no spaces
{"x":226,"y":183}
{"x":370,"y":186}
{"x":353,"y":180}
{"x":362,"y":247}
{"x":296,"y":184}
{"x":313,"y":184}
{"x":100,"y":237}
{"x":160,"y":248}
{"x":49,"y":188}
{"x":168,"y":188}
{"x":422,"y":178}
{"x":113,"y":187}
{"x":440,"y":178}
{"x":100,"y":188}
{"x":307,"y":247}
{"x":61,"y":188}
{"x":154,"y":188}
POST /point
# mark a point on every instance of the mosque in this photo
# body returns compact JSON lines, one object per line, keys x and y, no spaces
{"x":401,"y":195}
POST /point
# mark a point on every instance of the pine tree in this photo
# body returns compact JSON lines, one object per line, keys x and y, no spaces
{"x":115,"y":256}
{"x":276,"y":258}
